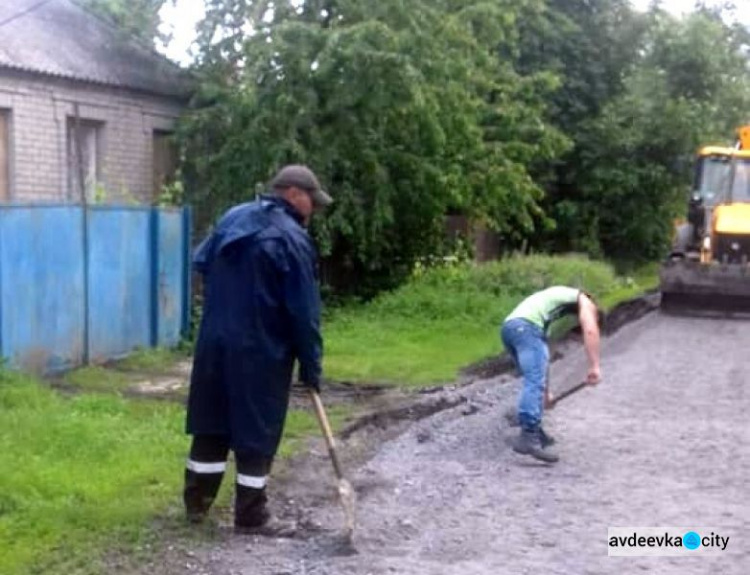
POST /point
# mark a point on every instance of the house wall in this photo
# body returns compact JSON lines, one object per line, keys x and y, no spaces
{"x":40,"y":111}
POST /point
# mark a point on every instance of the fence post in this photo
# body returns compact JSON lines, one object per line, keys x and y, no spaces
{"x":86,"y":277}
{"x":2,"y":324}
{"x":187,"y":223}
{"x":85,"y":229}
{"x":154,"y":245}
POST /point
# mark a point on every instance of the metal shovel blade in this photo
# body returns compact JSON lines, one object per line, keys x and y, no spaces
{"x":347,"y":496}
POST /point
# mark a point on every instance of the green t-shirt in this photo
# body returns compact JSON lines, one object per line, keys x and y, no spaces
{"x":546,"y":306}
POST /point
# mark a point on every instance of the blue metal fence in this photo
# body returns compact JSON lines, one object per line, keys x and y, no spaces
{"x":88,"y":286}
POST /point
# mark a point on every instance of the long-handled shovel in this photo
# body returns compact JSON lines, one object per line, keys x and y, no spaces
{"x":512,"y":415}
{"x":346,"y":492}
{"x":570,"y":391}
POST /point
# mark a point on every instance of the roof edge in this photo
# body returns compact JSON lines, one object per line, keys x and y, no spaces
{"x":183,"y":96}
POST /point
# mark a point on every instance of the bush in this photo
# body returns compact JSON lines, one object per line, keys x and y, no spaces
{"x":445,"y":318}
{"x":487,"y":292}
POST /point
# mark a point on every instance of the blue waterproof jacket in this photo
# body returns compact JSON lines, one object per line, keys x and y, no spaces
{"x":261,"y":312}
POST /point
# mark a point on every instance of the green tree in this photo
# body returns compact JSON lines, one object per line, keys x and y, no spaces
{"x":138,"y":18}
{"x":592,"y":46}
{"x":691,"y":87}
{"x":639,"y":93}
{"x":406,"y":109}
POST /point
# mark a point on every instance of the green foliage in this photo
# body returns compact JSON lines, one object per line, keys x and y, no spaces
{"x":636,"y":111}
{"x":590,"y":44}
{"x":561,"y":124}
{"x":405,"y":109}
{"x":136,"y":18}
{"x":171,"y":194}
{"x":100,"y":193}
{"x":445,"y":318}
{"x":692,"y":88}
{"x":469,"y":291}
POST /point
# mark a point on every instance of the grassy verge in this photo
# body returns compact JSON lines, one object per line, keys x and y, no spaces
{"x":89,"y":471}
{"x":78,"y":469}
{"x":447,"y":318}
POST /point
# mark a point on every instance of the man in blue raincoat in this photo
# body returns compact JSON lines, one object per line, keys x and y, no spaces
{"x":261,"y":313}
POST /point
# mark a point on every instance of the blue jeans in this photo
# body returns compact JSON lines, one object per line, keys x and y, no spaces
{"x":527,"y":345}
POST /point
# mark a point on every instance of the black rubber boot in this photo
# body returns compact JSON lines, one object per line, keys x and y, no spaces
{"x":201,"y":483}
{"x":199,"y":493}
{"x":250,"y":507}
{"x":529,"y":442}
{"x":252,"y":517}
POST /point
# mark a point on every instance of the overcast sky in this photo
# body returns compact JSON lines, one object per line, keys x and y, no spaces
{"x":681,"y":6}
{"x":181,"y":19}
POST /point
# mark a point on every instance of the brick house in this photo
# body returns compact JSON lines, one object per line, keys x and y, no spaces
{"x":79,"y":101}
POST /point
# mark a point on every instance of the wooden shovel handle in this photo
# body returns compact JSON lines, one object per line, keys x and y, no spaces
{"x":325,"y":426}
{"x":577,"y":387}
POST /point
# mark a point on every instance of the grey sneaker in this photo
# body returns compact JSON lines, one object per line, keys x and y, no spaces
{"x":547,"y":440}
{"x":530,"y":443}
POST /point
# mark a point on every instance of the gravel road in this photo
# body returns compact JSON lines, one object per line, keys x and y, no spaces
{"x":663,"y":441}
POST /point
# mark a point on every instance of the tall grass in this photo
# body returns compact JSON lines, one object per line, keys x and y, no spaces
{"x":445,"y":318}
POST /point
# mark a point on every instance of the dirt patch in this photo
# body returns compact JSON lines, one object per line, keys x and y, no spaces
{"x":160,"y":386}
{"x":629,"y":311}
{"x":305,"y":481}
{"x":415,"y":410}
{"x":363,"y":397}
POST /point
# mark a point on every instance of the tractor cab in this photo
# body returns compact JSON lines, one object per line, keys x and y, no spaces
{"x":710,"y":257}
{"x":720,"y":202}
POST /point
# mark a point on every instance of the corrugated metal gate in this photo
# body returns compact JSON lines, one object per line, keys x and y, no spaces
{"x":88,"y":286}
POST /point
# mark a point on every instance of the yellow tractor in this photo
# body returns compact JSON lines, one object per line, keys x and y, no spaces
{"x":708,"y":263}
